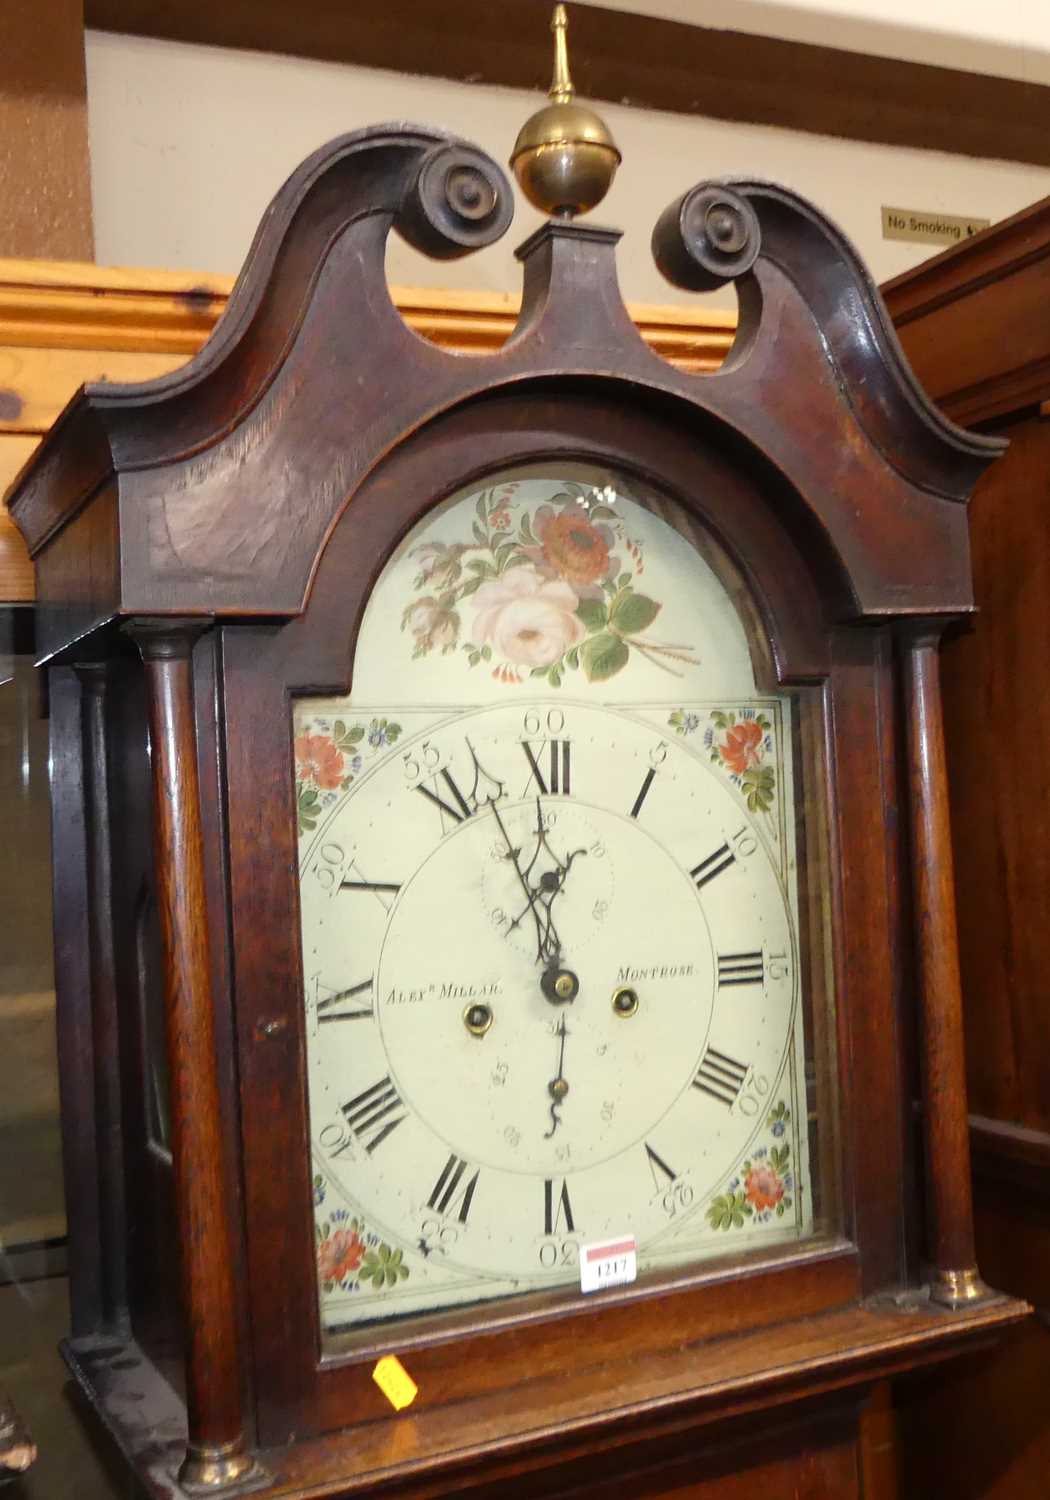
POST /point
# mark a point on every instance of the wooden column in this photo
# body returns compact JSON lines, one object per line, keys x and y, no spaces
{"x":105,"y":1030}
{"x":216,"y":1455}
{"x":954,"y":1278}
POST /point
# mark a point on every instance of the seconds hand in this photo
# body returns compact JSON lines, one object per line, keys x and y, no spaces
{"x":558,"y":1088}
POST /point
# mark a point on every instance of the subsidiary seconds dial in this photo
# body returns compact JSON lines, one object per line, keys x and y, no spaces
{"x":552,"y":973}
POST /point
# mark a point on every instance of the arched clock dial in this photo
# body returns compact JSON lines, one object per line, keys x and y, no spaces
{"x":512,"y":1043}
{"x":549,"y":939}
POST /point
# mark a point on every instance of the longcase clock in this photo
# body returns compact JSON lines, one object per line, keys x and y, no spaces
{"x":503,"y":889}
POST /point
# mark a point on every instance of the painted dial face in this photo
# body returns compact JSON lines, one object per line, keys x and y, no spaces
{"x":551,"y":968}
{"x":527,"y":1045}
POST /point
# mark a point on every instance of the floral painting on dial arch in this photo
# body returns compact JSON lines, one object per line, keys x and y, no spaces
{"x":539,"y":591}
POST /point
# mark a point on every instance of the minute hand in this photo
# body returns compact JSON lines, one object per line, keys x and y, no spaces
{"x":530,"y":894}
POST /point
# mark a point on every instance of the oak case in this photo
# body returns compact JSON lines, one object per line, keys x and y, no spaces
{"x":230,"y":520}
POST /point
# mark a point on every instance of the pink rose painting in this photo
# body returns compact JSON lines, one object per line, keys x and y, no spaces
{"x":527,"y":620}
{"x":541,"y":590}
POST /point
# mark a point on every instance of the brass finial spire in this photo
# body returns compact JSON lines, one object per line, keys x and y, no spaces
{"x":565,"y":157}
{"x":561,"y":89}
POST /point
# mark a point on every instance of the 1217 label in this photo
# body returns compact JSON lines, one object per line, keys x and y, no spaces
{"x":608,"y":1263}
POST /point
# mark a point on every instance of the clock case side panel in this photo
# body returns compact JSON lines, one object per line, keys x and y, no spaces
{"x":767,"y":532}
{"x":150,"y":1315}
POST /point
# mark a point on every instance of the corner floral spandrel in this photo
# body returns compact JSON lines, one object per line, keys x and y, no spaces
{"x":328,"y":757}
{"x":551,"y":589}
{"x":350,"y":1258}
{"x":740,"y":743}
{"x":761,"y":1188}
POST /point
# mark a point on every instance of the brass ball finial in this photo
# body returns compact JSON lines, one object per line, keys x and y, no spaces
{"x":565,"y":157}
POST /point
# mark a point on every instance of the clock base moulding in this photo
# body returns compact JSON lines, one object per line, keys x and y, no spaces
{"x":642,"y":1411}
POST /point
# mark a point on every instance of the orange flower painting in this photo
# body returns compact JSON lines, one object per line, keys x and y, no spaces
{"x":339,"y":1254}
{"x":318,"y":760}
{"x":763,"y":1187}
{"x":742,"y":747}
{"x":572,"y":546}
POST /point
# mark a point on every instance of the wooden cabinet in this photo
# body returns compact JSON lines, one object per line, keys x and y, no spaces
{"x":974,"y":324}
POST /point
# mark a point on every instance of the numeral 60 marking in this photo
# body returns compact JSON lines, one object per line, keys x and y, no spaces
{"x":534,"y":723}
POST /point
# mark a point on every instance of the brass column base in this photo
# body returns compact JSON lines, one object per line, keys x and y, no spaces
{"x":958,"y":1288}
{"x":219,"y":1469}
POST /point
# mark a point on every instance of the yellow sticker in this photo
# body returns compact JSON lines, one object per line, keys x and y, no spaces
{"x":395,"y":1382}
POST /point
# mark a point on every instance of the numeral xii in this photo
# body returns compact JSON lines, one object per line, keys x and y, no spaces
{"x":558,"y":779}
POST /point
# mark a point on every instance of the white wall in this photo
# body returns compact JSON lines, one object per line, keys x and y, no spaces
{"x":1010,"y":39}
{"x":189,"y":143}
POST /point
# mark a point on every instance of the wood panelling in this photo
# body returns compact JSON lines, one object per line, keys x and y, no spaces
{"x":16,"y":570}
{"x":63,"y":323}
{"x":647,"y":61}
{"x":974,"y":323}
{"x":995,"y":677}
{"x":36,"y":382}
{"x":972,"y":319}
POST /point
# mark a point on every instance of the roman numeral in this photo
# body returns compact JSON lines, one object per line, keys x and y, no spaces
{"x":740,"y":968}
{"x":646,"y":784}
{"x":556,"y":1208}
{"x":359,"y":1012}
{"x":373,"y":1114}
{"x":713,"y":865}
{"x":447,"y":1191}
{"x":720,"y":1077}
{"x":458,"y":813}
{"x":558,"y":781}
{"x":662,"y":1173}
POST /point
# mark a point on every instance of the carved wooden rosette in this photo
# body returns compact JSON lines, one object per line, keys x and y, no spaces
{"x":216,"y":495}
